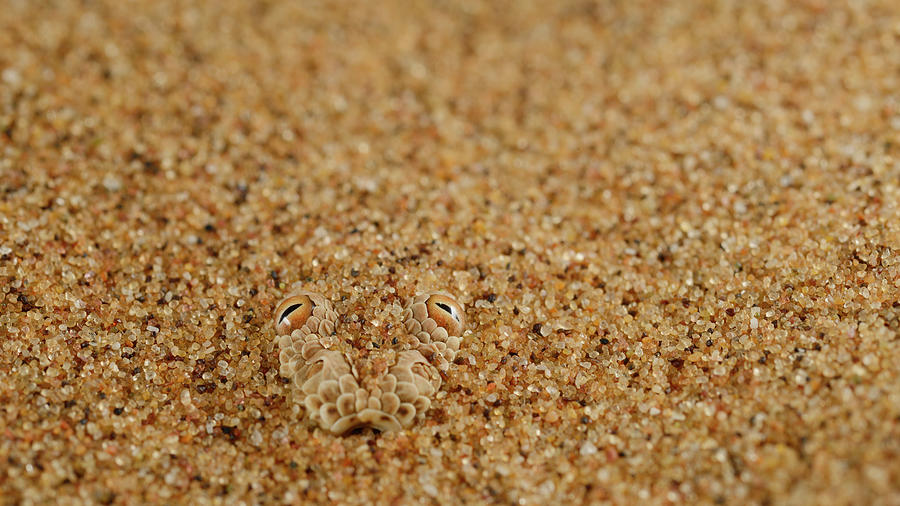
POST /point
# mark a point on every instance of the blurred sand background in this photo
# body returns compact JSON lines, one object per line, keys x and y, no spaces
{"x":674,"y":226}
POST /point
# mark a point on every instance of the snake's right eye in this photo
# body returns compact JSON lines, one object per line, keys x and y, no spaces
{"x":292,"y":313}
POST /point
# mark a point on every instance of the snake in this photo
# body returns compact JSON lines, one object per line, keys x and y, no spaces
{"x":339,"y":393}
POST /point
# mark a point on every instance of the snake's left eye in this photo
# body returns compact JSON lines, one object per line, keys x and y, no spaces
{"x":293,"y":313}
{"x":437,"y":314}
{"x":446,"y":313}
{"x":437,"y":320}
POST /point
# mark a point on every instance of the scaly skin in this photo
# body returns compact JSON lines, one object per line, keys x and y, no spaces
{"x":326,"y":381}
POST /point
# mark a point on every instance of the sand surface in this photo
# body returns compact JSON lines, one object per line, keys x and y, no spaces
{"x":674,"y":226}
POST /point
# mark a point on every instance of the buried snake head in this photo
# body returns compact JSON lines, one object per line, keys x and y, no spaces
{"x":323,"y":368}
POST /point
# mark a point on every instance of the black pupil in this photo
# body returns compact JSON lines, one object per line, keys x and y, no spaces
{"x":446,"y":308}
{"x":287,"y":312}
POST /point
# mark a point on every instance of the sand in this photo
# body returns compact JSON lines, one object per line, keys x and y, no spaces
{"x":674,"y":226}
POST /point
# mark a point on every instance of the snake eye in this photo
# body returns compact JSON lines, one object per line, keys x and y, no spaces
{"x":446,"y":313}
{"x":292,"y":313}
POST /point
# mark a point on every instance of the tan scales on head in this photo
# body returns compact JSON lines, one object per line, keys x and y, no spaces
{"x":329,"y":386}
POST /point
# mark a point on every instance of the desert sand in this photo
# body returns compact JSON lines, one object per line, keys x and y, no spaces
{"x":673,"y":225}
